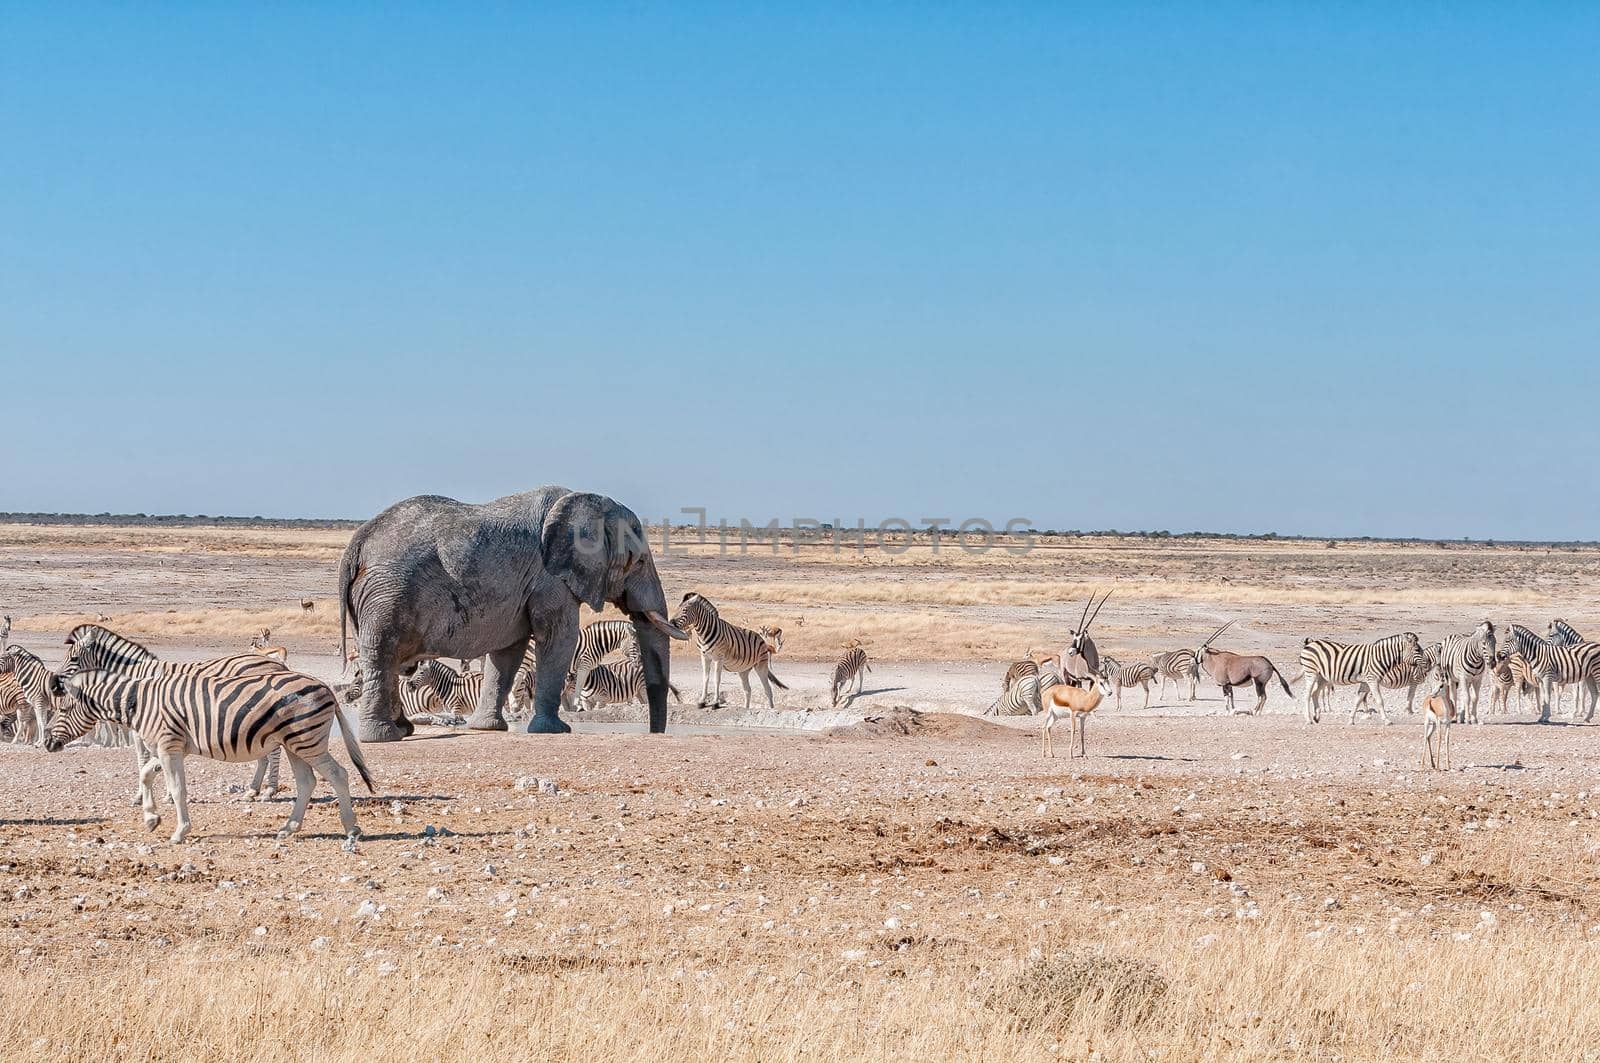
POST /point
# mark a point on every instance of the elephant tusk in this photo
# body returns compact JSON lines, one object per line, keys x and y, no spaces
{"x":665,"y":628}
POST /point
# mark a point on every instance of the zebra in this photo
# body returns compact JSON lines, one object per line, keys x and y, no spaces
{"x":1552,"y":664}
{"x":1137,"y":674}
{"x":1109,"y":667}
{"x":1328,"y":664}
{"x":1561,"y":633}
{"x":428,"y":689}
{"x":725,"y":646}
{"x":1029,"y":665}
{"x":1463,"y":659}
{"x":612,"y":684}
{"x":1024,"y":697}
{"x":521,"y":696}
{"x":91,"y":646}
{"x":600,"y":640}
{"x":1509,"y":671}
{"x":1178,"y":665}
{"x":14,"y":706}
{"x":34,"y":679}
{"x":5,"y":630}
{"x":236,"y":719}
{"x":1407,"y":674}
{"x":851,"y":665}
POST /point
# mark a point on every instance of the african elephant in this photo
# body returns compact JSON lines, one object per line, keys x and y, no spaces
{"x":433,"y":577}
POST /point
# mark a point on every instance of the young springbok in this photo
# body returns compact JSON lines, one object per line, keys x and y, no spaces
{"x":259,"y":643}
{"x":1074,"y":704}
{"x":1438,"y":713}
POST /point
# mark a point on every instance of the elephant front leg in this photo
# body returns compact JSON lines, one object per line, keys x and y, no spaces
{"x":499,"y":673}
{"x":379,"y":716}
{"x":557,"y":647}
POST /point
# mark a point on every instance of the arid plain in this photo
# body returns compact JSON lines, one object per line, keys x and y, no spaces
{"x":900,"y":879}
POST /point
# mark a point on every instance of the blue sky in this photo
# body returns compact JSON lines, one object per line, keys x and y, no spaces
{"x":1223,"y":266}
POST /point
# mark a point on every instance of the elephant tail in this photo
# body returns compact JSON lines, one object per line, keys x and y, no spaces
{"x":353,"y":747}
{"x":675,"y":695}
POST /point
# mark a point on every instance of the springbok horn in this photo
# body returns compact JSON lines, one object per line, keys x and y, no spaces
{"x":1217,"y":632}
{"x":661,"y":625}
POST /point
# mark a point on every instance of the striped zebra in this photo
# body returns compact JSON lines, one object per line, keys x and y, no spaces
{"x":233,"y":720}
{"x":1552,"y":664}
{"x":1109,"y":667}
{"x":852,"y":664}
{"x":1463,"y":659}
{"x":520,"y":701}
{"x":612,"y":684}
{"x":34,"y":679}
{"x":14,"y":707}
{"x":726,"y":646}
{"x":91,"y":646}
{"x":1178,"y":666}
{"x":1032,"y":664}
{"x":5,"y":630}
{"x":600,"y":640}
{"x":1328,"y":664}
{"x":1509,"y":671}
{"x":1407,"y":674}
{"x":1136,"y":674}
{"x":428,"y":689}
{"x":1561,"y":633}
{"x":1025,"y":696}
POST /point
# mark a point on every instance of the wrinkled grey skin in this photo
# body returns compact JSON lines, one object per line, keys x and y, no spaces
{"x":433,"y":577}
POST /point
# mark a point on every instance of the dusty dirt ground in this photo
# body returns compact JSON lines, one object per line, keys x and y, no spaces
{"x":1298,"y":889}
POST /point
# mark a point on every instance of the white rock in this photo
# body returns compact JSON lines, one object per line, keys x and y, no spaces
{"x":319,"y":943}
{"x":367,"y":909}
{"x":892,"y":923}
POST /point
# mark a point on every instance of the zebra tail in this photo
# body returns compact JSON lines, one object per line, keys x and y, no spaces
{"x":353,"y":747}
{"x":675,"y":695}
{"x":780,"y":684}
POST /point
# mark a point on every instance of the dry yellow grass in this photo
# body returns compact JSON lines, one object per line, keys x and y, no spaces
{"x":290,"y":625}
{"x":1256,"y":993}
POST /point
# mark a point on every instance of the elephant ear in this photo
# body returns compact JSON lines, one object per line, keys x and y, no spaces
{"x":591,"y":542}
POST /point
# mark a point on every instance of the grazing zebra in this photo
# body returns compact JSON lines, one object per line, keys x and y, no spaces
{"x":1032,"y":664}
{"x":1178,"y":665}
{"x":851,"y":665}
{"x":239,"y":719}
{"x":1462,"y":661}
{"x":260,"y":643}
{"x":91,"y":646}
{"x":612,"y":684}
{"x":14,"y":706}
{"x":1328,"y":664}
{"x":1552,"y":665}
{"x":1137,"y":674}
{"x":1024,"y":697}
{"x":725,"y":646}
{"x":34,"y":679}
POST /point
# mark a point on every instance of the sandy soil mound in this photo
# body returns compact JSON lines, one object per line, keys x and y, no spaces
{"x":902,"y":722}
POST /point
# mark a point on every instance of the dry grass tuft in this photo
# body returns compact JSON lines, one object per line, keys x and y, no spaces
{"x":1122,"y":992}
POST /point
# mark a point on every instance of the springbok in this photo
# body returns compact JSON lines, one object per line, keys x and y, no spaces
{"x":1074,"y":704}
{"x":1438,"y":713}
{"x":260,"y":643}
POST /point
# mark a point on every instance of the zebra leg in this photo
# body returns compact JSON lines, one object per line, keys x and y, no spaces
{"x":141,"y":758}
{"x":744,"y":677}
{"x":761,"y":670}
{"x":716,"y":669}
{"x":266,"y":770}
{"x":177,"y":790}
{"x":330,"y":769}
{"x":705,"y":681}
{"x":304,"y":783}
{"x":147,"y":794}
{"x":41,"y":719}
{"x":1146,"y":694}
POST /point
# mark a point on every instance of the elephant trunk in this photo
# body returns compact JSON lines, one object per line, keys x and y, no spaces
{"x":655,"y":655}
